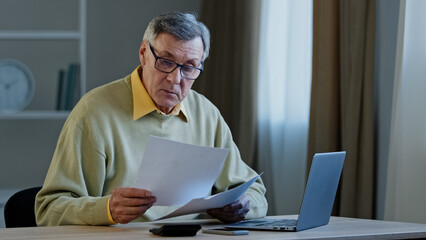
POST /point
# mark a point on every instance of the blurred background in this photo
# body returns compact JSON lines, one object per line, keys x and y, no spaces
{"x":291,"y":78}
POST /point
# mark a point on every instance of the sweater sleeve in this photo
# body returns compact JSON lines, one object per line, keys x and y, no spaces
{"x":235,"y":172}
{"x":72,"y":191}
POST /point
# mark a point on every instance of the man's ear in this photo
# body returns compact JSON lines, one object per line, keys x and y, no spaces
{"x":142,"y":52}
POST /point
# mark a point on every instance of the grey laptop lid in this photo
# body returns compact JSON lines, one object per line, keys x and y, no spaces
{"x":318,"y":199}
{"x":320,"y":190}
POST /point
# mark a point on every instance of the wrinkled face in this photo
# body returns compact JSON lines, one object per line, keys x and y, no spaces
{"x":169,"y":89}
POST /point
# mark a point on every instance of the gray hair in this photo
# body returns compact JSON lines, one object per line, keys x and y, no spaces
{"x":183,"y":26}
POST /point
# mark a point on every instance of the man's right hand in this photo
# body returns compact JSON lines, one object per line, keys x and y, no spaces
{"x":127,"y":204}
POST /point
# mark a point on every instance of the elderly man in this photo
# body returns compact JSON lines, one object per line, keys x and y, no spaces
{"x":100,"y":148}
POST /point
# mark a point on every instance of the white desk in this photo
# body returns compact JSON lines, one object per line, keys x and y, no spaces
{"x":338,"y":228}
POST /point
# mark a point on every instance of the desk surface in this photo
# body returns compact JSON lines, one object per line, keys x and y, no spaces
{"x":338,"y":228}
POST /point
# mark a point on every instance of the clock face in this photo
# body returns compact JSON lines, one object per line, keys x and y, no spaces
{"x":16,"y":85}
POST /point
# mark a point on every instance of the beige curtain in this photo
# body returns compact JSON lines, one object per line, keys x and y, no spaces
{"x":230,"y":77}
{"x":341,"y":116}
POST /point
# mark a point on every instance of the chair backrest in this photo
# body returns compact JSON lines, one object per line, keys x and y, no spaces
{"x":19,"y":209}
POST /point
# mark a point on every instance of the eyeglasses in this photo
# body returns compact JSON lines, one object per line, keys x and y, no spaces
{"x":168,"y":66}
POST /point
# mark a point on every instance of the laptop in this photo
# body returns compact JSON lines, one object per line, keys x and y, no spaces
{"x":317,"y":201}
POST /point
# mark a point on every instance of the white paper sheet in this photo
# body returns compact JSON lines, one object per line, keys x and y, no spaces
{"x":177,"y":172}
{"x":216,"y":201}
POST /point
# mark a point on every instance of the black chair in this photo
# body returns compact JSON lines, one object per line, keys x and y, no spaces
{"x":19,"y":209}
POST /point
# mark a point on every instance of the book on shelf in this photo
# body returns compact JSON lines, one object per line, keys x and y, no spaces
{"x":60,"y":99}
{"x":68,"y":87}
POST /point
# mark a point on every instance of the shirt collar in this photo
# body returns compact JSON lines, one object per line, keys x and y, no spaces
{"x":143,"y":103}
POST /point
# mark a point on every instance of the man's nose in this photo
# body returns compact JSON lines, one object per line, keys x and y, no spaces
{"x":175,"y":77}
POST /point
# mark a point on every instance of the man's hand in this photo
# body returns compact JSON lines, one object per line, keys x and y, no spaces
{"x":127,"y":204}
{"x":233,"y":212}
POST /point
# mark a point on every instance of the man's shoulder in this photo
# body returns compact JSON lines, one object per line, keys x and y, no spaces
{"x":200,"y":106}
{"x":105,"y":99}
{"x":196,"y":99}
{"x":115,"y":87}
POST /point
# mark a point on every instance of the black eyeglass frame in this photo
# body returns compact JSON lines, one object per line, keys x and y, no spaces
{"x":176,"y":65}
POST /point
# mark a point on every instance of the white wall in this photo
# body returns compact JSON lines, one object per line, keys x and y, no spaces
{"x":406,"y":178}
{"x":386,"y":36}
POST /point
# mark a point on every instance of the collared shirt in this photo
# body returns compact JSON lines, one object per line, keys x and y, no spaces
{"x":143,"y":103}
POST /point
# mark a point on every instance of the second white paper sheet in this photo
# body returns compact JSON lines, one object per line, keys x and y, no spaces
{"x":215,"y":201}
{"x":177,"y":172}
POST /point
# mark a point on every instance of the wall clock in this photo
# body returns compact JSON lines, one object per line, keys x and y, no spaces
{"x":16,"y":85}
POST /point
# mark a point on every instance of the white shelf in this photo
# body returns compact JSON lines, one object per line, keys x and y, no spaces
{"x":31,"y":115}
{"x":78,"y":35}
{"x":40,"y":35}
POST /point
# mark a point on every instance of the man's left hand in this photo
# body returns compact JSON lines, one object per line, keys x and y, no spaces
{"x":233,"y":212}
